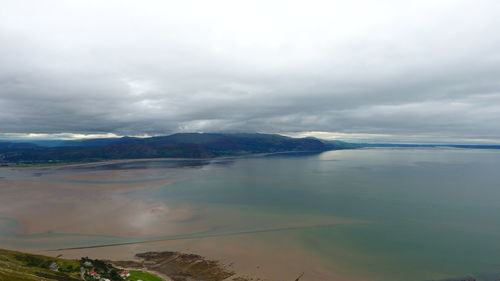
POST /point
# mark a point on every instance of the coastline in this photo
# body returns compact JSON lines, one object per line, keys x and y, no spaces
{"x":100,"y":163}
{"x":119,"y":161}
{"x":246,"y":256}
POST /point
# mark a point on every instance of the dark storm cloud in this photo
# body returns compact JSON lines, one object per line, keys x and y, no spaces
{"x":427,"y":68}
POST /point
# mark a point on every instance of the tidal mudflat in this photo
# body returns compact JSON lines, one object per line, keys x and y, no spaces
{"x":367,"y":214}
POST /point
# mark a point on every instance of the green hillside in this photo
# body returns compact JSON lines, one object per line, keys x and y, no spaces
{"x":17,"y":266}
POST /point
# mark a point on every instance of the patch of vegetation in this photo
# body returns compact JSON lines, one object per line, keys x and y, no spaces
{"x":31,"y":260}
{"x":102,"y":268}
{"x":56,"y":276}
{"x":144,"y":276}
{"x":16,"y":266}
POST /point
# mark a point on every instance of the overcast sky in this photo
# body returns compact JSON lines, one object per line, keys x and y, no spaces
{"x":418,"y":70}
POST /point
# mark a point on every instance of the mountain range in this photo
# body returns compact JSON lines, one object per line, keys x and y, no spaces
{"x":181,"y":145}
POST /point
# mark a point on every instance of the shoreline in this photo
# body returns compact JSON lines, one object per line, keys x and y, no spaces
{"x":118,"y":161}
{"x":247,"y":257}
{"x":99,"y":163}
{"x":5,"y":165}
{"x":176,"y":266}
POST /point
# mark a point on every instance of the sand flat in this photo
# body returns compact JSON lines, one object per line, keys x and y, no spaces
{"x":44,"y":204}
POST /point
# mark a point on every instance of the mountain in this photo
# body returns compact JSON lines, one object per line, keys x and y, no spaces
{"x":186,"y":145}
{"x":98,"y":142}
{"x":5,"y":146}
{"x":336,"y":144}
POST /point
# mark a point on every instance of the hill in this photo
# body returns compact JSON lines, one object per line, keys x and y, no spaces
{"x":16,"y":266}
{"x":187,"y":145}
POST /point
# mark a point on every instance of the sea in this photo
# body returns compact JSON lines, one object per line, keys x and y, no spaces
{"x":366,"y":214}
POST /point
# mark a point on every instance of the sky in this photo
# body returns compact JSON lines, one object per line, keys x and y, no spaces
{"x":414,"y":71}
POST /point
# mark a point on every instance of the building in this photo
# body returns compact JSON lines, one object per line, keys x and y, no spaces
{"x":94,"y":275}
{"x":53,"y":266}
{"x":124,"y":274}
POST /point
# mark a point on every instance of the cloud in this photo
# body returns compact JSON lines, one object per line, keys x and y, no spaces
{"x":388,"y":67}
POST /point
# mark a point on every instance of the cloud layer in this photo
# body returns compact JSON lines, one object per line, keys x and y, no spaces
{"x":385,"y":67}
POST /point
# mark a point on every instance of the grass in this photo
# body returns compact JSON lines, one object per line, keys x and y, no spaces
{"x":17,"y":266}
{"x":144,"y":276}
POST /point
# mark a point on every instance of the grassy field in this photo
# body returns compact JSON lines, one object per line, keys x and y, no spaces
{"x":136,"y":275}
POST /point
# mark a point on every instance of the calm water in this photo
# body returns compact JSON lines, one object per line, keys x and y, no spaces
{"x":419,"y":213}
